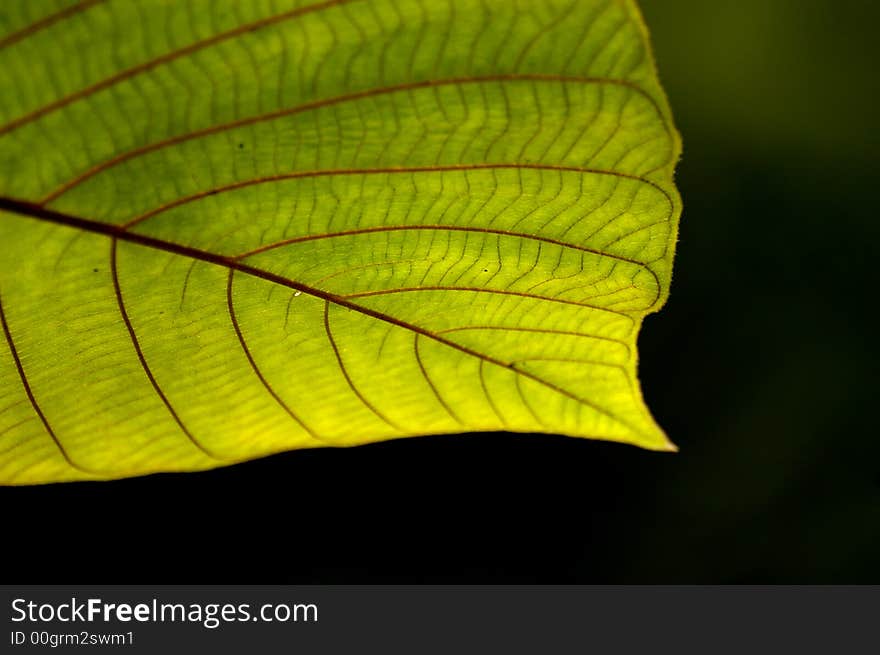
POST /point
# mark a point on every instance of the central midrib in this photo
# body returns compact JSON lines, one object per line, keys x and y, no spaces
{"x":31,"y":210}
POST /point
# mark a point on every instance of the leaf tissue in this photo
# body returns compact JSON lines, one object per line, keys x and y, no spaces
{"x":229,"y":228}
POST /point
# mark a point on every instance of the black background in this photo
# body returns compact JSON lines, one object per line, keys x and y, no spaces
{"x":761,"y":368}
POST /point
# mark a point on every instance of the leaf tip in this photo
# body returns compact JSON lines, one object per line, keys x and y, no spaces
{"x":669,"y":447}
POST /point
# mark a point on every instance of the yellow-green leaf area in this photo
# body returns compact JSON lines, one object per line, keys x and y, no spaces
{"x":229,"y":229}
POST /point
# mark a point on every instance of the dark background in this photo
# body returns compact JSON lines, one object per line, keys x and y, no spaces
{"x":761,"y":369}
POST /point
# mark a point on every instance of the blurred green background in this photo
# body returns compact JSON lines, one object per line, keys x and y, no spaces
{"x":761,"y":368}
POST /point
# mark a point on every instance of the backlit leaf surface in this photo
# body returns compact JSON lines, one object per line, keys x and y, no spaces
{"x":233,"y":228}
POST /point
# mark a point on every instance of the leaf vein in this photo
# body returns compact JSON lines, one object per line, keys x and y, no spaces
{"x":30,"y":394}
{"x":345,"y":373}
{"x":337,"y":100}
{"x":163,"y":59}
{"x":256,"y":369}
{"x":46,"y":22}
{"x":37,"y":212}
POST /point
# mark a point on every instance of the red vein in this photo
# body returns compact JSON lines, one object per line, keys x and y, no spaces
{"x":143,"y":361}
{"x":38,"y":212}
{"x":387,"y":171}
{"x":537,"y":330}
{"x":326,"y":102}
{"x":30,"y":394}
{"x":448,"y":228}
{"x":43,"y":23}
{"x":456,"y":228}
{"x":431,"y":382}
{"x":164,"y":59}
{"x":522,"y":397}
{"x":489,"y":397}
{"x":502,"y":292}
{"x":567,"y":360}
{"x":345,"y":374}
{"x":253,"y":363}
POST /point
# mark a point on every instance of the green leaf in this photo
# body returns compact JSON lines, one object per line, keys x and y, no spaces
{"x":229,"y":229}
